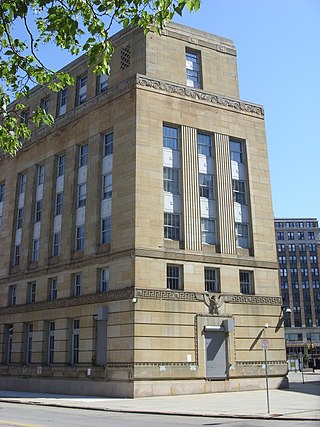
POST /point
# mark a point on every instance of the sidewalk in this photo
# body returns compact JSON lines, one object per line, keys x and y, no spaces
{"x":300,"y":402}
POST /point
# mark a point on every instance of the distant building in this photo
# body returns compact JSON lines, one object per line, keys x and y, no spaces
{"x":298,"y":248}
{"x":137,"y":236}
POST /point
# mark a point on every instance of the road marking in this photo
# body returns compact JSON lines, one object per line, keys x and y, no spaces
{"x":17,"y":424}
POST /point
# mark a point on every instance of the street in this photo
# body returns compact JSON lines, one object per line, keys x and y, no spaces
{"x":21,"y":415}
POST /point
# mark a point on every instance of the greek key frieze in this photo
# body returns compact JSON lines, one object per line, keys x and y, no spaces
{"x":167,"y":294}
{"x":255,"y":299}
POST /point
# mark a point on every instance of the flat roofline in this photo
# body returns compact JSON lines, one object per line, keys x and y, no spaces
{"x":297,"y":219}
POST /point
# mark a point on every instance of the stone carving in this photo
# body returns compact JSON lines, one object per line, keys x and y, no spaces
{"x":167,"y":294}
{"x":199,"y":95}
{"x":255,"y":299}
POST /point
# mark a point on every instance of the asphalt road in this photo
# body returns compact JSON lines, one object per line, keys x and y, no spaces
{"x":21,"y":415}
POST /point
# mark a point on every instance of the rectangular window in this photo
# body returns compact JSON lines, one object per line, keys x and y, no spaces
{"x":303,"y":259}
{"x":51,"y":333}
{"x":103,"y":83}
{"x":208,"y":231}
{"x":108,"y":144}
{"x":239,"y":191}
{"x":19,"y":218}
{"x":211,"y":280}
{"x":44,"y":104}
{"x":77,"y":286}
{"x":56,"y":244}
{"x":236,"y":151}
{"x":246,"y":282}
{"x":53,"y":288}
{"x":12,"y":295}
{"x":61,"y":165}
{"x":281,"y":247}
{"x":302,"y":247}
{"x":107,"y":186}
{"x":314,"y":271}
{"x":62,"y":102}
{"x":312,"y":247}
{"x":313,"y":259}
{"x":171,"y":180}
{"x":83,"y":155}
{"x":75,"y":341}
{"x":82,"y":195}
{"x":171,"y":137}
{"x":22,"y":183}
{"x":79,"y":238}
{"x":242,"y":235}
{"x":32,"y":288}
{"x":38,"y":211}
{"x":2,"y":187}
{"x":193,"y":69}
{"x":58,"y":204}
{"x":104,"y":280}
{"x":292,"y":259}
{"x":106,"y":230}
{"x":29,"y":331}
{"x":206,"y":186}
{"x":311,"y":235}
{"x":291,"y":235}
{"x":280,"y":235}
{"x":282,"y":260}
{"x":16,"y":255}
{"x":174,"y":277}
{"x":82,"y":90}
{"x":300,"y":235}
{"x":25,"y":117}
{"x":204,"y":144}
{"x":35,"y":250}
{"x":291,"y":247}
{"x":171,"y":226}
{"x":294,"y":271}
{"x":9,"y":341}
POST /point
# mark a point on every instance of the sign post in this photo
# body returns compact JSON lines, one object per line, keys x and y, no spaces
{"x":265,"y":346}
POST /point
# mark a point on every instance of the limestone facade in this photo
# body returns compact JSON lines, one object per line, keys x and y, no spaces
{"x":137,"y":238}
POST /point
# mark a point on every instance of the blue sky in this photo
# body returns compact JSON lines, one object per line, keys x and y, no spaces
{"x":278,"y":48}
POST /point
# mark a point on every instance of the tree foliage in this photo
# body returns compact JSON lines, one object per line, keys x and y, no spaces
{"x":77,"y":26}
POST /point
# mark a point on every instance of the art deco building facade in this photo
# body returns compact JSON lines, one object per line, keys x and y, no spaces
{"x":298,"y":247}
{"x":137,"y":238}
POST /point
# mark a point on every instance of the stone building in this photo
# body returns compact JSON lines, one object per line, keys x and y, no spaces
{"x":298,"y":247}
{"x":137,"y":238}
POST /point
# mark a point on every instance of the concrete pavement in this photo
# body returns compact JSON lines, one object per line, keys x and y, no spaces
{"x":300,"y":402}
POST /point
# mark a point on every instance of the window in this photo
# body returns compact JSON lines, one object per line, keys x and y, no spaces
{"x":38,"y":211}
{"x":19,"y":218}
{"x":246,"y":282}
{"x":236,"y":151}
{"x":125,"y":57}
{"x":295,"y":284}
{"x":171,"y":180}
{"x":284,"y":285}
{"x":22,"y":183}
{"x":292,"y":259}
{"x":79,"y":237}
{"x":75,"y":341}
{"x":53,"y":288}
{"x":279,"y":224}
{"x":16,"y":255}
{"x":82,"y":90}
{"x":282,"y":260}
{"x":83,"y":155}
{"x":291,"y":247}
{"x":211,"y":280}
{"x":25,"y":117}
{"x":58,"y":204}
{"x":193,"y":69}
{"x":280,"y":235}
{"x":283,"y":272}
{"x":44,"y":104}
{"x":29,"y":331}
{"x":77,"y":286}
{"x":302,"y":247}
{"x":107,"y":186}
{"x":313,"y":259}
{"x":299,"y":224}
{"x":106,"y":230}
{"x":2,"y":187}
{"x":108,"y":144}
{"x":51,"y":333}
{"x":281,"y":248}
{"x":304,"y":272}
{"x":103,"y":83}
{"x":9,"y":341}
{"x":291,"y":235}
{"x":300,"y":235}
{"x":171,"y":226}
{"x":310,"y":224}
{"x":12,"y":295}
{"x":314,"y":271}
{"x":61,"y":165}
{"x":311,"y":235}
{"x":242,"y":235}
{"x":206,"y":186}
{"x":303,"y":259}
{"x":56,"y":244}
{"x":82,"y":195}
{"x":174,"y":277}
{"x":239,"y":191}
{"x":62,"y":102}
{"x":35,"y":250}
{"x":171,"y":138}
{"x":305,"y":284}
{"x":312,"y":247}
{"x":104,"y":280}
{"x":32,"y":287}
{"x":204,"y":144}
{"x":293,"y":271}
{"x":208,"y":231}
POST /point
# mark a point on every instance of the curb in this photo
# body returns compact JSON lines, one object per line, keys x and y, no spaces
{"x":180,"y":414}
